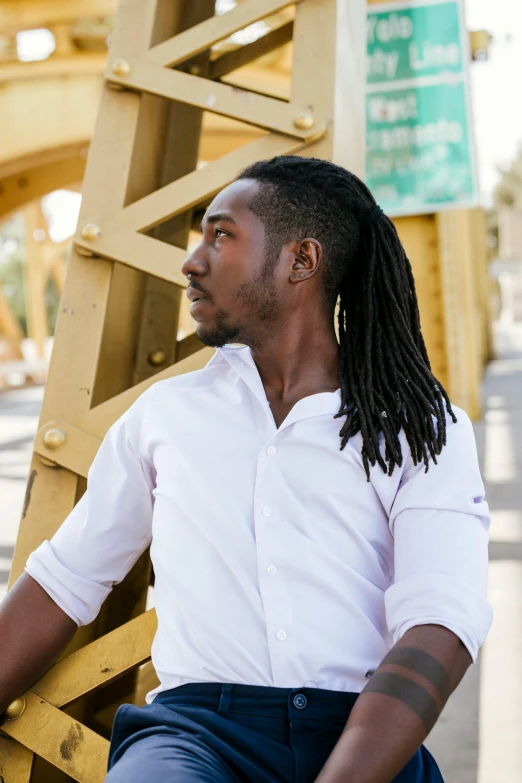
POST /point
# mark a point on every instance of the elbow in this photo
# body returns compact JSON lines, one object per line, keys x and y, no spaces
{"x":444,"y":601}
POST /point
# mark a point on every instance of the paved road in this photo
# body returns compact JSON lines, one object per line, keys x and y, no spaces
{"x":19,"y":409}
{"x":478,"y":737}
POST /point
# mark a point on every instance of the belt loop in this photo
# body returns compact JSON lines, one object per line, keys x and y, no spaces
{"x":224,"y":701}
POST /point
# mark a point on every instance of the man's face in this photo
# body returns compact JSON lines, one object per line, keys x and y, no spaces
{"x":230,"y":274}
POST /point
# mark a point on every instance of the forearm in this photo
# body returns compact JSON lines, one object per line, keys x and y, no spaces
{"x":398,"y":708}
{"x":33,"y":633}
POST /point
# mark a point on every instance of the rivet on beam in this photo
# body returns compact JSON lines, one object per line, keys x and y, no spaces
{"x":15,"y":709}
{"x":54,"y":438}
{"x":157,"y":358}
{"x":90,"y":232}
{"x":121,"y":68}
{"x":304,"y":121}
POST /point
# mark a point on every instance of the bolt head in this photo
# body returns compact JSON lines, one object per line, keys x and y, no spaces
{"x":157,"y":358}
{"x":15,"y":709}
{"x":54,"y":438}
{"x":304,"y":121}
{"x":90,"y":232}
{"x":83,"y":252}
{"x":121,"y":68}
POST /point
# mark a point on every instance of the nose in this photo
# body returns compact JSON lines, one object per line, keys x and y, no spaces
{"x":195,"y":263}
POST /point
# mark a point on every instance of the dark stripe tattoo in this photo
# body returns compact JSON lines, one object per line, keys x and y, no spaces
{"x":409,"y":692}
{"x":421,"y":663}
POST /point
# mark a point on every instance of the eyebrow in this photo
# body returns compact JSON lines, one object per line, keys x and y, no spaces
{"x":216,"y":217}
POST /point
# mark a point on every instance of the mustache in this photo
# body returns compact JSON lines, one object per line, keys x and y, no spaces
{"x":196,"y":287}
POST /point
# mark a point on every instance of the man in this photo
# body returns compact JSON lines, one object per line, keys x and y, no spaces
{"x":299,"y":560}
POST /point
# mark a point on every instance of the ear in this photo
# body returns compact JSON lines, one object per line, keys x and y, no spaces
{"x":306,"y":258}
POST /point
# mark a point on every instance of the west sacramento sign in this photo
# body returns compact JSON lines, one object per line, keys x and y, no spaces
{"x":420,"y":152}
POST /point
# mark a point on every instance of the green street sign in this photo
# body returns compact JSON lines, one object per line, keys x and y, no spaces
{"x":420,"y":153}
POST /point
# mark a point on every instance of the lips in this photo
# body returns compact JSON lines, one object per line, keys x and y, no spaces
{"x":198,"y":304}
{"x":195,"y":295}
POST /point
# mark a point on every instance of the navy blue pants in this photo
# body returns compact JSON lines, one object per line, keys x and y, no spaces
{"x":221,"y":733}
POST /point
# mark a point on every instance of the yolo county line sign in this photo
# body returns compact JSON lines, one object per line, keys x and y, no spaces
{"x":420,"y":154}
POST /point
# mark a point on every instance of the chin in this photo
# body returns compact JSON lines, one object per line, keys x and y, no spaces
{"x":215,"y":337}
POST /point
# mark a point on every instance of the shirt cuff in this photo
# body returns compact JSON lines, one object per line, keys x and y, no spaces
{"x":439,"y":599}
{"x":78,"y":597}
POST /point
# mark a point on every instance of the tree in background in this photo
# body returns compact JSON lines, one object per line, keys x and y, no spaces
{"x":12,"y":256}
{"x":507,"y":194}
{"x":12,"y":278}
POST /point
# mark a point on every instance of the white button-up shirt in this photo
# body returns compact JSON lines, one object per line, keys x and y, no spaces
{"x":276,"y":562}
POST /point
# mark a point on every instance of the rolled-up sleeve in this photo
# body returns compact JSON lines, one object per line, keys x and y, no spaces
{"x":108,"y":529}
{"x":440,"y":522}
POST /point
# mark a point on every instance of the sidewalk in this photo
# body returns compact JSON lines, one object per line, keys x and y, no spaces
{"x":478,"y":737}
{"x":500,"y":759}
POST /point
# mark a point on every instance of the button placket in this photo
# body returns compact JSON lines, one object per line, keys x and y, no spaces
{"x":273,"y":589}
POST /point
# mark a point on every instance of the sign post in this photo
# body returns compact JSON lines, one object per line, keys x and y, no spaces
{"x":420,"y":151}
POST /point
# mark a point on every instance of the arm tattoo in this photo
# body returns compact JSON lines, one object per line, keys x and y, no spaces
{"x":424,"y":664}
{"x":407,"y":691}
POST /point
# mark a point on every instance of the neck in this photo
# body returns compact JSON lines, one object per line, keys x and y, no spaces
{"x":298,"y":362}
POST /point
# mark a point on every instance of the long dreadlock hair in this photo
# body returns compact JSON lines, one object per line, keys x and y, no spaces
{"x":384,"y":372}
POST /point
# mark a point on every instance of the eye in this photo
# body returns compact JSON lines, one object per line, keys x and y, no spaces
{"x":219,"y":232}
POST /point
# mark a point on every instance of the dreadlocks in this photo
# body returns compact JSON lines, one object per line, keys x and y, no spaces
{"x":384,"y":371}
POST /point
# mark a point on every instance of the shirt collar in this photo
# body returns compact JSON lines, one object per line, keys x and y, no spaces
{"x":239,"y":357}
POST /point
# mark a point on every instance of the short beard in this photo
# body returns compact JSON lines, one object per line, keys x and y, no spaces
{"x":223,"y":332}
{"x":259,"y":296}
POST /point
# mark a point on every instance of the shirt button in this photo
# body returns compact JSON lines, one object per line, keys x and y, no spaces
{"x":271,"y":569}
{"x":300,"y":701}
{"x":271,"y":450}
{"x":267,"y":512}
{"x":281,"y":635}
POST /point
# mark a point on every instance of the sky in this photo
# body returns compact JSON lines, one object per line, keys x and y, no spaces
{"x":496,"y":88}
{"x":496,"y":105}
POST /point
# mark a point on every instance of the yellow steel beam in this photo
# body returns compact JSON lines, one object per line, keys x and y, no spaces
{"x":61,"y":740}
{"x":72,"y":65}
{"x":82,"y":370}
{"x":77,"y":451}
{"x":231,"y":61}
{"x":18,"y":15}
{"x":219,"y":98}
{"x":188,"y":346}
{"x":63,"y":114}
{"x":35,"y":180}
{"x":135,"y":250}
{"x":73,"y":445}
{"x":35,"y":277}
{"x":198,"y":186}
{"x":15,"y":760}
{"x":202,"y":36}
{"x":99,"y":662}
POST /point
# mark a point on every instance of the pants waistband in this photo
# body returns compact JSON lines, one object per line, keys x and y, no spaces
{"x":269,"y":701}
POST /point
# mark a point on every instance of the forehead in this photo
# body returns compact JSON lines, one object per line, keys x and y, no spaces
{"x":234,"y":199}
